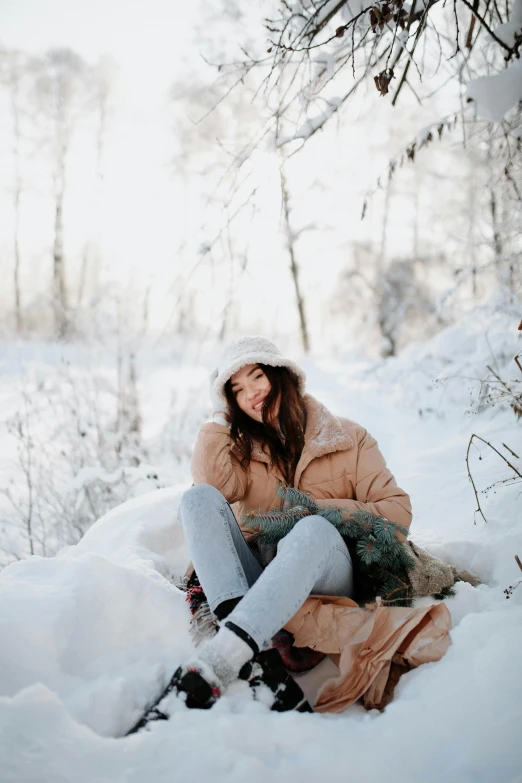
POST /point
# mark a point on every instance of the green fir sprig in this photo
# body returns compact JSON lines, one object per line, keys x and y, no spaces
{"x":380,"y":561}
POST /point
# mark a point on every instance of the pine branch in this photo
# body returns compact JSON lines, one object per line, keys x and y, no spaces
{"x":380,"y":561}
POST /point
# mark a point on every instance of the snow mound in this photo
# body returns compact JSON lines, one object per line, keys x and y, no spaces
{"x":144,"y":529}
{"x":101,"y":624}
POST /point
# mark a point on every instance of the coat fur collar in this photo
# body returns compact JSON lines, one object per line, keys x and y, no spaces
{"x":324,"y":434}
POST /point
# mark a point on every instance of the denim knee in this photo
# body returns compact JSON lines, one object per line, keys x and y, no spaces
{"x":315,"y":530}
{"x":199,"y":497}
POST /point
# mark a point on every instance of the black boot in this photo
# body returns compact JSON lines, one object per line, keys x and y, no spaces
{"x":195,"y":685}
{"x":267,"y":668}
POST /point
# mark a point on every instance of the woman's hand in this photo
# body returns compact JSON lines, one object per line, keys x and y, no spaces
{"x":288,"y":507}
{"x":220,"y":410}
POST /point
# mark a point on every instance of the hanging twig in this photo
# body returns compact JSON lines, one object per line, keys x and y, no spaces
{"x":511,"y":589}
{"x":457,"y":49}
{"x":510,"y":49}
{"x":519,"y":474}
{"x":511,"y":451}
{"x":515,"y":404}
{"x":473,"y":483}
{"x":420,"y":29}
{"x":479,"y":509}
{"x":469,"y":38}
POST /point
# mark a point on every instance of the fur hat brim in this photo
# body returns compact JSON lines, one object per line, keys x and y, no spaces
{"x":256,"y":356}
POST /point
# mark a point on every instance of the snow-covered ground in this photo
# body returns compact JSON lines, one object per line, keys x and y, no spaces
{"x":88,"y":637}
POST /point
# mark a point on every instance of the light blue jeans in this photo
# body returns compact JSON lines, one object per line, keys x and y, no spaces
{"x":312,"y":558}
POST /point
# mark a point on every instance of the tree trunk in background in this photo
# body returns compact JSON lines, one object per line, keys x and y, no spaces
{"x":62,"y":91}
{"x":83,"y":275}
{"x":16,"y":252}
{"x":93,"y":253}
{"x":61,"y":324}
{"x":497,"y":240}
{"x":416,"y":213}
{"x":226,"y":310}
{"x":472,"y":204}
{"x":501,"y":271}
{"x":294,"y":269}
{"x":146,"y":310}
{"x":499,"y":231}
{"x":224,"y":323}
{"x":384,"y":230}
{"x":104,"y":86}
{"x":15,"y":108}
{"x":389,"y":348}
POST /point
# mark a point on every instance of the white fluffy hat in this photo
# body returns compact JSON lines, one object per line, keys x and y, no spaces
{"x":251,"y":350}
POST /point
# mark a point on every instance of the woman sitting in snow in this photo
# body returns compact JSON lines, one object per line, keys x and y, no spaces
{"x":266,"y":433}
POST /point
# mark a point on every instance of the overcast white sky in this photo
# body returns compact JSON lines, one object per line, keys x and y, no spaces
{"x":139,"y":34}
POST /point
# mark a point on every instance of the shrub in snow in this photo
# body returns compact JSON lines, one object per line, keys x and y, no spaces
{"x":80,"y":452}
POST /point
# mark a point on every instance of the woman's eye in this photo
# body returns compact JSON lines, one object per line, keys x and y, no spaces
{"x":259,"y":376}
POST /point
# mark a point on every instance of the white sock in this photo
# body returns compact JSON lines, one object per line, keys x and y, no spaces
{"x":225,"y":654}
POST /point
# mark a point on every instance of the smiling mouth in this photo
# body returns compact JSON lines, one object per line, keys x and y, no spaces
{"x":258,"y":406}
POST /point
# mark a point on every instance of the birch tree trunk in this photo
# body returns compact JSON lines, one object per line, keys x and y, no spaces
{"x":63,"y":93}
{"x":388,"y":348}
{"x":61,"y":323}
{"x":17,"y":191}
{"x":294,"y":268}
{"x":16,"y":248}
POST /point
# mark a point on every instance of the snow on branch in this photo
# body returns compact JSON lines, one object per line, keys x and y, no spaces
{"x":495,"y":95}
{"x":312,"y":44}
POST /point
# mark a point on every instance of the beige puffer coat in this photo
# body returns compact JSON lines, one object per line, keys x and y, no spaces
{"x":340,"y":465}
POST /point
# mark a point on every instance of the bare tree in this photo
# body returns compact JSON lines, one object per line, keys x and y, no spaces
{"x":384,"y":41}
{"x":14,"y":68}
{"x":315,"y":46}
{"x":395,"y":300}
{"x":294,"y":268}
{"x":103,"y":76}
{"x":62,"y":93}
{"x":17,"y":190}
{"x":208,"y":135}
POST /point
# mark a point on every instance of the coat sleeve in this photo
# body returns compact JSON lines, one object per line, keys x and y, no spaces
{"x":213,"y":463}
{"x":375,"y":487}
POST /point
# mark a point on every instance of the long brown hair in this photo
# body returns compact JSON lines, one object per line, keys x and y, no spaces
{"x":285,"y":448}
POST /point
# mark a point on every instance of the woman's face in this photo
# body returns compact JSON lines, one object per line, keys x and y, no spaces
{"x":250,"y":387}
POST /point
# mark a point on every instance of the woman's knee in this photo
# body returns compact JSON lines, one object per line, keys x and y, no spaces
{"x":197,"y":499}
{"x":314,"y":530}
